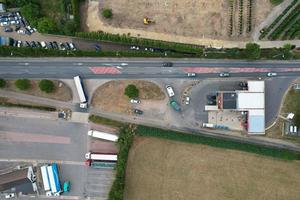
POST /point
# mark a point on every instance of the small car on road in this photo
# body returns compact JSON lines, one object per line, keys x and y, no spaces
{"x":135,"y":101}
{"x":187,"y":100}
{"x":137,"y":111}
{"x":191,"y":74}
{"x":224,"y":74}
{"x":167,"y":64}
{"x":271,"y":74}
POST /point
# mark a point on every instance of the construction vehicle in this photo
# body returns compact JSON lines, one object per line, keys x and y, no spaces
{"x":148,"y":21}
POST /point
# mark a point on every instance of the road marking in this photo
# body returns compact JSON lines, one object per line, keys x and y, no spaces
{"x":37,"y":161}
{"x":104,"y":70}
{"x":36,"y":138}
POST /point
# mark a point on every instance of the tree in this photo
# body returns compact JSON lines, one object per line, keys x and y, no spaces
{"x":107,"y":13}
{"x":46,"y":25}
{"x":31,"y":12}
{"x":131,"y":91}
{"x":46,"y":86}
{"x":252,"y":51}
{"x":2,"y":83}
{"x":70,"y":27}
{"x":22,"y":84}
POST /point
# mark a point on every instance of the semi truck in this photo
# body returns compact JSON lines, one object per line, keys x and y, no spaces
{"x":54,"y":179}
{"x":46,"y":181}
{"x":102,"y":135}
{"x":102,"y":157}
{"x":80,"y":90}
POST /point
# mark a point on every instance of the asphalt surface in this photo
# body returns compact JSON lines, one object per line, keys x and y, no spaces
{"x":130,"y":68}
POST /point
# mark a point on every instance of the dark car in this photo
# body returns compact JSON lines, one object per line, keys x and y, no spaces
{"x":39,"y":45}
{"x":33,"y":44}
{"x":50,"y":45}
{"x":27,"y":31}
{"x":68,"y":46}
{"x":55,"y":45}
{"x":8,"y":29}
{"x":97,"y":47}
{"x":27,"y":44}
{"x":224,"y":74}
{"x":211,"y":102}
{"x":167,"y":64}
{"x":211,"y":97}
{"x":15,"y":43}
{"x":17,"y":28}
{"x":243,"y":84}
{"x":137,"y":111}
{"x":62,"y":46}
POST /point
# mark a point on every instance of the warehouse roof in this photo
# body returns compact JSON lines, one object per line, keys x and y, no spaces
{"x":256,"y":86}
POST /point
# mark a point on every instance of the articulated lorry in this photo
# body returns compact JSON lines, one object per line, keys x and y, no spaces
{"x":82,"y":96}
{"x":102,"y":135}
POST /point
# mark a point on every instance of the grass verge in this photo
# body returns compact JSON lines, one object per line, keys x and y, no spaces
{"x":45,"y":108}
{"x":105,"y":121}
{"x":220,"y":143}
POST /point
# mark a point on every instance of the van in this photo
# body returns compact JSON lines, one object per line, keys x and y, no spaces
{"x":170,"y":91}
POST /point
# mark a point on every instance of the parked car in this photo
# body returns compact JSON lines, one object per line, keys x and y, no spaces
{"x":187,"y":100}
{"x":66,"y":186}
{"x":27,"y":32}
{"x":10,"y":195}
{"x":135,"y":101}
{"x":8,"y":29}
{"x":97,"y":47}
{"x":4,"y":23}
{"x":137,"y":111}
{"x":44,"y":45}
{"x":30,"y":29}
{"x":224,"y":74}
{"x":62,"y":46}
{"x":50,"y":45}
{"x":19,"y":43}
{"x":135,"y":48}
{"x":22,"y":32}
{"x":243,"y":84}
{"x":15,"y":43}
{"x":55,"y":45}
{"x":271,"y":74}
{"x":211,"y":97}
{"x":191,"y":74}
{"x":38,"y":44}
{"x":33,"y":44}
{"x":17,"y":28}
{"x":211,"y":102}
{"x":27,"y":44}
{"x":72,"y":46}
{"x":167,"y":64}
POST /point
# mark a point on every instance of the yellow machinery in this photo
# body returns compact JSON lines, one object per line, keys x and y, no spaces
{"x":147,"y":21}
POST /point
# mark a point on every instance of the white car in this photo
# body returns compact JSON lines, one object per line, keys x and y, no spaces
{"x":135,"y":101}
{"x":271,"y":74}
{"x":191,"y":74}
{"x":22,"y":32}
{"x":44,"y":45}
{"x":4,"y":24}
{"x":19,"y":44}
{"x":170,"y":91}
{"x":30,"y":29}
{"x":10,"y":195}
{"x":187,"y":100}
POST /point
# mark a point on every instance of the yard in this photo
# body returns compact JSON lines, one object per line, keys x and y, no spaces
{"x":164,"y":169}
{"x":190,"y":18}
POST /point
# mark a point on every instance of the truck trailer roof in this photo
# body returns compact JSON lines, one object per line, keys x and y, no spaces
{"x":102,"y":135}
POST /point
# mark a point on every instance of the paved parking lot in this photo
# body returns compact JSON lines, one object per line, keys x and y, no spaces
{"x":38,"y":140}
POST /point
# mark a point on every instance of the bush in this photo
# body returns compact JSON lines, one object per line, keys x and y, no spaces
{"x":23,"y":84}
{"x":276,"y":2}
{"x":2,"y":83}
{"x":131,"y":91}
{"x":107,"y":13}
{"x":46,"y":25}
{"x":252,"y":51}
{"x":46,"y":86}
{"x":31,"y":12}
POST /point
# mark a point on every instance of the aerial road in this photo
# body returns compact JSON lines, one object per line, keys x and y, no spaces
{"x":139,"y":68}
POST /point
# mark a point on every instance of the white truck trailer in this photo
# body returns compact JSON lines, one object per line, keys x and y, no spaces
{"x":82,"y":97}
{"x":46,"y":181}
{"x":102,"y":135}
{"x":102,"y":157}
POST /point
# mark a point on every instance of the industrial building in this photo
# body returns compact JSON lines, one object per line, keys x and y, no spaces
{"x":249,"y":103}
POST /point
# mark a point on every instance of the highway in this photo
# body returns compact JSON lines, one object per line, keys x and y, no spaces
{"x":139,"y":68}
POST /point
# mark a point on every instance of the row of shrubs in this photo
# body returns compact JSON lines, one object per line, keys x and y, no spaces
{"x":251,"y":52}
{"x":25,"y":84}
{"x":124,"y":143}
{"x":216,"y":142}
{"x":289,"y":20}
{"x":265,"y":31}
{"x":126,"y":39}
